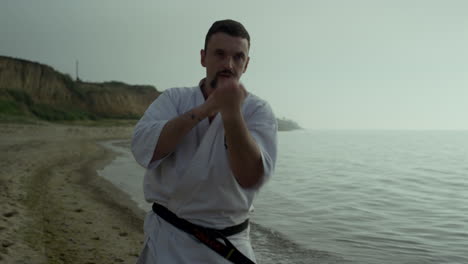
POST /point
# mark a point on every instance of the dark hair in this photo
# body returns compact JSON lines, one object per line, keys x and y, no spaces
{"x":230,"y":27}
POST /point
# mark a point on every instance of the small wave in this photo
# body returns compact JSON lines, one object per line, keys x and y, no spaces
{"x":273,"y":247}
{"x":437,"y":171}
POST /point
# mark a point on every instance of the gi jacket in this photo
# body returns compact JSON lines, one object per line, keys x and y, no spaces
{"x":195,"y":181}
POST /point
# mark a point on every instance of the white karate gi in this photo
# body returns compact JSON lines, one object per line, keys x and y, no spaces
{"x":195,"y":181}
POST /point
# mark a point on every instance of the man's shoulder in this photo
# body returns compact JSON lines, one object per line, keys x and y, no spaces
{"x":180,"y":91}
{"x":255,"y":105}
{"x":181,"y":95}
{"x":253,"y":100}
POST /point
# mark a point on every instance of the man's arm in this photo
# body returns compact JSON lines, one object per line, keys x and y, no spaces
{"x":244,"y":155}
{"x":245,"y":158}
{"x":162,"y":128}
{"x":175,"y":129}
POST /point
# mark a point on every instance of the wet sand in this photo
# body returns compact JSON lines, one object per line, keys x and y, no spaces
{"x":54,"y":206}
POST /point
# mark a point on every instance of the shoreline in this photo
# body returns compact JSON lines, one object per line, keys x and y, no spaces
{"x":55,"y":207}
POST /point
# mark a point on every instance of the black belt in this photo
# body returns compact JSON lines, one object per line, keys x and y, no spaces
{"x":208,"y":236}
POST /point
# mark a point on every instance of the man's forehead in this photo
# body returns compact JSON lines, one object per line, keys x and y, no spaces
{"x":227,"y":42}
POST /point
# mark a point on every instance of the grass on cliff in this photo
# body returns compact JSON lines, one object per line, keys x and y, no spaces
{"x":101,"y":122}
{"x":18,"y":107}
{"x":9,"y":107}
{"x":54,"y":113}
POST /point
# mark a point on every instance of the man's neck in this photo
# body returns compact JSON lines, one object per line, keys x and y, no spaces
{"x":205,"y":88}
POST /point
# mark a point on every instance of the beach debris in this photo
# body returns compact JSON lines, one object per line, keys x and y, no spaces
{"x":6,"y":243}
{"x":133,"y":254}
{"x":10,"y":214}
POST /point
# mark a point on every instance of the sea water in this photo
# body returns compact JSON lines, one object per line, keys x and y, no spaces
{"x":353,"y":197}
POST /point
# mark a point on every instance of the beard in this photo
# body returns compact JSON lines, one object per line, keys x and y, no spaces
{"x":214,"y":82}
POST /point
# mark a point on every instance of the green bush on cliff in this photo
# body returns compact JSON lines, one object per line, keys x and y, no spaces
{"x":53,"y":113}
{"x":19,"y":103}
{"x":20,"y":96}
{"x":9,"y":107}
{"x":14,"y":102}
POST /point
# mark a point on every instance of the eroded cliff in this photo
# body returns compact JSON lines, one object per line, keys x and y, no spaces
{"x":32,"y":88}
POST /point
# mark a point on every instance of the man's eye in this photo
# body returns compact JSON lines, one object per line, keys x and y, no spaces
{"x":238,"y":57}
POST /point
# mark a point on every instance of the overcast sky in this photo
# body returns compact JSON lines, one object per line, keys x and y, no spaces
{"x":350,"y":64}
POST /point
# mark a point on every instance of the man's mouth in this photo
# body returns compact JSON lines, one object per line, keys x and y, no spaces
{"x":225,"y":74}
{"x":222,"y":74}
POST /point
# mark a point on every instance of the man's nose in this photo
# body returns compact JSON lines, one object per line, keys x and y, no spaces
{"x":228,"y":63}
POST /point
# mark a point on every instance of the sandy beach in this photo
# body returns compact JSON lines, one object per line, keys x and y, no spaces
{"x":54,"y":206}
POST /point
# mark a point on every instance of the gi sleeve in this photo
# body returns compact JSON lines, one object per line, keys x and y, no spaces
{"x":263,"y":127}
{"x":148,"y":129}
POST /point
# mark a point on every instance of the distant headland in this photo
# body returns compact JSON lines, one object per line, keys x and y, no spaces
{"x":33,"y":90}
{"x":287,"y":124}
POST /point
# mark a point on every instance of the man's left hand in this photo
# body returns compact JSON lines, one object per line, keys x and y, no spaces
{"x":229,"y":95}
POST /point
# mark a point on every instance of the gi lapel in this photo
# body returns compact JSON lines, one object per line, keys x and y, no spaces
{"x":198,"y":169}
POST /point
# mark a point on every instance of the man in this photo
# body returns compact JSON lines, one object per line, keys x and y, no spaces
{"x":207,"y":150}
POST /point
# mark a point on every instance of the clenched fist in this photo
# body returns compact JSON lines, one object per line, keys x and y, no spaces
{"x":227,"y":98}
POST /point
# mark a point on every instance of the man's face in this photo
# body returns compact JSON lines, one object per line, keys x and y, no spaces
{"x":225,"y":57}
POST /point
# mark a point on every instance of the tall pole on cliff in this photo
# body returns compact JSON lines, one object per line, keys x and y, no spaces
{"x":77,"y":76}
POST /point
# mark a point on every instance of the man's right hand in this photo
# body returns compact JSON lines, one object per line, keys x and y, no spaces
{"x":226,"y":98}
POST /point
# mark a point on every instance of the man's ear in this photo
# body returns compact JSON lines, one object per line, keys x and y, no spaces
{"x":246,"y":65}
{"x":202,"y":57}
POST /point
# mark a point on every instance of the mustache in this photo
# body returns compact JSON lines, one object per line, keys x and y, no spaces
{"x":228,"y":72}
{"x":214,"y":82}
